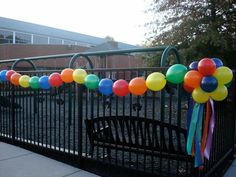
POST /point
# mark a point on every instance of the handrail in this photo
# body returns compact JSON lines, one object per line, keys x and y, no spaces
{"x":22,"y":60}
{"x":73,"y":56}
{"x":166,"y":54}
{"x":72,"y":60}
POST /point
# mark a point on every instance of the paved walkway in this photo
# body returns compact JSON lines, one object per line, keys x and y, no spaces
{"x":18,"y":162}
{"x":231,"y":172}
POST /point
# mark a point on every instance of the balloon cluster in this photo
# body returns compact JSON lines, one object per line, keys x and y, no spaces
{"x":137,"y":86}
{"x":207,"y":79}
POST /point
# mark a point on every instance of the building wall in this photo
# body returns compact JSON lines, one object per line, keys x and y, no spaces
{"x":10,"y":51}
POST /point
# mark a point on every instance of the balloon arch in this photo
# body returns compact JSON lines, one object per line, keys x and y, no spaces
{"x":206,"y":81}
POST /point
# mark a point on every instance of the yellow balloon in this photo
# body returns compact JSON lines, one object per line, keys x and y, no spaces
{"x":224,"y":75}
{"x":199,"y":95}
{"x":79,"y":75}
{"x":24,"y":81}
{"x":156,"y":81}
{"x":220,"y":93}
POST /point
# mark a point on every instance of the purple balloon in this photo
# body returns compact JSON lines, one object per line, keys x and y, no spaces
{"x":193,"y":65}
{"x":218,"y":62}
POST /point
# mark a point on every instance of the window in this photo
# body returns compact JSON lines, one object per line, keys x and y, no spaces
{"x":6,"y":37}
{"x":67,"y":42}
{"x":40,"y":40}
{"x":23,"y":38}
{"x":55,"y":41}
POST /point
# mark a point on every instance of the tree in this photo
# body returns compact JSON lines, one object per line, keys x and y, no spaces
{"x":199,"y":28}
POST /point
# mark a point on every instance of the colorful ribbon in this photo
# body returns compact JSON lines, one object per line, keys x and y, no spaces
{"x":210,"y":132}
{"x":200,"y":131}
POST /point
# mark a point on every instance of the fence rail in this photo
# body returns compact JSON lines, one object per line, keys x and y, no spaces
{"x":113,"y":136}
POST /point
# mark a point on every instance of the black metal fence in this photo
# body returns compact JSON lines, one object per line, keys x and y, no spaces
{"x":113,"y":136}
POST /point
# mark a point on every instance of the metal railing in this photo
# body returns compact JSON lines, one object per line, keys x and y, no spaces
{"x":109,"y":135}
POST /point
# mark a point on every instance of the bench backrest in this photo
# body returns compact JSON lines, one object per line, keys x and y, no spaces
{"x":137,"y":132}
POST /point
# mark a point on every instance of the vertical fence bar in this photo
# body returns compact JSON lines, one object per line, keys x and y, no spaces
{"x":13,"y":113}
{"x":80,"y":123}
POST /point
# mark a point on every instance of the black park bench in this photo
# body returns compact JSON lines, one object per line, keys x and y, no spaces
{"x":137,"y":134}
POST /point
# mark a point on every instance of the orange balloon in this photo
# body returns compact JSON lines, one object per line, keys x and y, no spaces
{"x":15,"y":79}
{"x":188,"y":89}
{"x":192,"y":79}
{"x":67,"y":75}
{"x":137,"y":86}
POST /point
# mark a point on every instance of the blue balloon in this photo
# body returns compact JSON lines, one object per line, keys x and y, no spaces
{"x":105,"y":86}
{"x":209,"y":83}
{"x":3,"y":75}
{"x":193,"y":65}
{"x":218,"y":62}
{"x":43,"y":82}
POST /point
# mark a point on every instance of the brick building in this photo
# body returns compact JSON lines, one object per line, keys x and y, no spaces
{"x":21,"y":39}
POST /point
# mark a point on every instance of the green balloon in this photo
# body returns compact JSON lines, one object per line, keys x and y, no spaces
{"x":34,"y":82}
{"x":91,"y":81}
{"x":175,"y":74}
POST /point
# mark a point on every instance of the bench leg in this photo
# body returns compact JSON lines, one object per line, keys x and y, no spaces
{"x":108,"y":152}
{"x":91,"y":149}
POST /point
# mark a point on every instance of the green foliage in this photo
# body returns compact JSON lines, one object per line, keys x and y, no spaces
{"x":199,"y":28}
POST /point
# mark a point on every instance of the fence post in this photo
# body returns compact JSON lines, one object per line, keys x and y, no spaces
{"x":80,"y":122}
{"x":234,"y":112}
{"x":13,"y":112}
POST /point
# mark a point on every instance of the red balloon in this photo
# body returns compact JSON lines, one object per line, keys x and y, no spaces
{"x":9,"y":73}
{"x":55,"y":80}
{"x":120,"y":87}
{"x":206,"y":66}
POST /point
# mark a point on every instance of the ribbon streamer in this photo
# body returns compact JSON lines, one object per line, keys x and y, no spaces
{"x":210,"y":131}
{"x":198,"y":137}
{"x":192,"y":128}
{"x":205,"y":130}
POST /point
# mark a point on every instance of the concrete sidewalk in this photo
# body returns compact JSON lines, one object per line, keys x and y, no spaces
{"x":231,"y":172}
{"x":18,"y":162}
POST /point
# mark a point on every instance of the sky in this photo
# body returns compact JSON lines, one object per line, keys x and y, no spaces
{"x":121,"y":19}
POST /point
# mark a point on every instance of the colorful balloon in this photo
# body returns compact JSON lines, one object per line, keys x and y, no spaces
{"x":218,"y":62}
{"x":175,"y":74}
{"x":67,"y":75}
{"x":193,"y":65}
{"x":105,"y":86}
{"x":206,"y":66}
{"x":55,"y":80}
{"x":9,"y":73}
{"x":209,"y":83}
{"x":220,"y":93}
{"x":192,"y":79}
{"x":34,"y":82}
{"x":199,"y":96}
{"x":224,"y":75}
{"x":91,"y":81}
{"x":44,"y":83}
{"x":137,"y":86}
{"x":79,"y":75}
{"x":120,"y":87}
{"x":156,"y":81}
{"x":15,"y":79}
{"x":188,"y":89}
{"x":24,"y":81}
{"x":3,"y":75}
